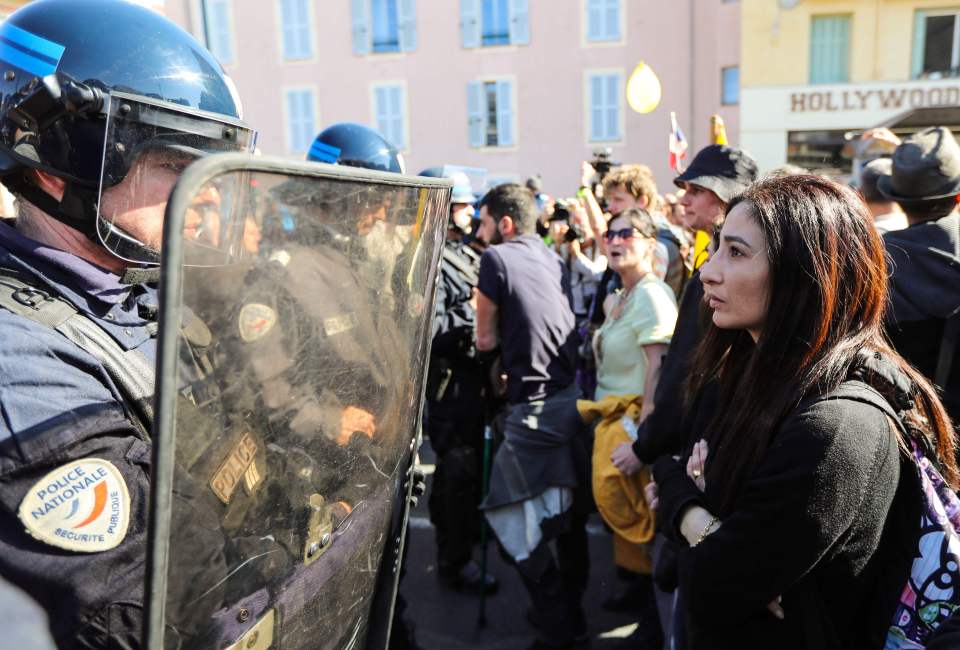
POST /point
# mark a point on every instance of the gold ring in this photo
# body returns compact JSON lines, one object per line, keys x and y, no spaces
{"x":696,"y":473}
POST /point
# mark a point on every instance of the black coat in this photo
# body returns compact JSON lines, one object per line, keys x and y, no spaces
{"x":924,"y":292}
{"x":826,"y":520}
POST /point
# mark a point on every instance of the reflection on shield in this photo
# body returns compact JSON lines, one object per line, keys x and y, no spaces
{"x":289,"y":395}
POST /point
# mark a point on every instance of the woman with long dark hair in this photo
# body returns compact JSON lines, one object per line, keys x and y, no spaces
{"x":799,"y":512}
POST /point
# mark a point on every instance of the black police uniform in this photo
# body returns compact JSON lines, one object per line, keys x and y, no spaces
{"x":455,"y":411}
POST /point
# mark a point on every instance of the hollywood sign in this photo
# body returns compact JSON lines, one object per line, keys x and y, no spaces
{"x":874,"y":99}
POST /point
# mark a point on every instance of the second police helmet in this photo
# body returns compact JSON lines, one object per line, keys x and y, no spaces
{"x":355,"y":145}
{"x":90,"y":87}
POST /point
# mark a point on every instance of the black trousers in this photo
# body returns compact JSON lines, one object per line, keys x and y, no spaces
{"x":556,"y":576}
{"x":456,"y":492}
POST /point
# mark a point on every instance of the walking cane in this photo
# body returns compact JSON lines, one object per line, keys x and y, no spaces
{"x":484,"y":534}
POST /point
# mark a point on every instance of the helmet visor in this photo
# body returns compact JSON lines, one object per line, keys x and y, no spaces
{"x":147,"y":145}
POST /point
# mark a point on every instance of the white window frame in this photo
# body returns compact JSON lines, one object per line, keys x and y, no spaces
{"x":585,"y":30}
{"x":512,"y":79}
{"x":588,"y":107}
{"x":403,"y":146}
{"x":920,"y":36}
{"x":284,"y":98}
{"x":311,"y":34}
{"x":231,"y":27}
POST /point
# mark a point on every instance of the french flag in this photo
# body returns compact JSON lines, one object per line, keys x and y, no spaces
{"x":678,"y":145}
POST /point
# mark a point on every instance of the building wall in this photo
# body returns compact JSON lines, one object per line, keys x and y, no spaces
{"x":777,"y":97}
{"x":686,"y":42}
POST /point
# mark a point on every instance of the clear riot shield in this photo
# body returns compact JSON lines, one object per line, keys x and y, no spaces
{"x":296,"y":309}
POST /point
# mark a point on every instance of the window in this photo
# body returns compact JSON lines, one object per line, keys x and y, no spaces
{"x":494,"y":22}
{"x":386,"y":32}
{"x":389,"y":113}
{"x":829,"y":49}
{"x":822,"y":152}
{"x":730,"y":85}
{"x":383,"y":26}
{"x":605,"y":100}
{"x":491,"y":113}
{"x":217,"y":20}
{"x":301,"y":119}
{"x":603,"y":20}
{"x":297,"y":29}
{"x":936,"y":44}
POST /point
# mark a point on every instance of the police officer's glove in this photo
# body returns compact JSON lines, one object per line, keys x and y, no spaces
{"x":676,"y":491}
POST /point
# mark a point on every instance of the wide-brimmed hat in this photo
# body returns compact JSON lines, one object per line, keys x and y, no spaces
{"x":725,"y":171}
{"x":926,"y":167}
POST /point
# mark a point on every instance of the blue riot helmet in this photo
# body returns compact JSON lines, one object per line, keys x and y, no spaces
{"x":462,"y":189}
{"x":110,"y":97}
{"x":355,"y":145}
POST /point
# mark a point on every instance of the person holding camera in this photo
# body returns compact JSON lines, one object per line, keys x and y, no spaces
{"x":573,"y":240}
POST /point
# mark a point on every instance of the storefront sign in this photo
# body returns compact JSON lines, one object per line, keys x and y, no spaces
{"x":863,"y":99}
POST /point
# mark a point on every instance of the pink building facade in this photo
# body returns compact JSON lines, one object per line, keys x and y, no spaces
{"x":515,"y":87}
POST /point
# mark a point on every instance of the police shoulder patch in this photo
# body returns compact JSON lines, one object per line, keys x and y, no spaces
{"x":256,"y":321}
{"x":82,"y":506}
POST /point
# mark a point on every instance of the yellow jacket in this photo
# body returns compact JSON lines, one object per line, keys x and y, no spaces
{"x":619,"y":498}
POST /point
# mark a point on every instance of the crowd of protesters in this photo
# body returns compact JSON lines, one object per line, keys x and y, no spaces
{"x":762,"y":422}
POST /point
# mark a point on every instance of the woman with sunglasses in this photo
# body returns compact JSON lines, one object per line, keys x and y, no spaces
{"x":799,"y":515}
{"x":628,"y":348}
{"x":640,"y":318}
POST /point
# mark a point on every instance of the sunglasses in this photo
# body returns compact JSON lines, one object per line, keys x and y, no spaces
{"x":624,"y":233}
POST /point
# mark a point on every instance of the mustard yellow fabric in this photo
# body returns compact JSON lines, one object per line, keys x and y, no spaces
{"x":619,"y":498}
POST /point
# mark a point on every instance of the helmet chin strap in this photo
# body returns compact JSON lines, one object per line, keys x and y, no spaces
{"x":78,"y":210}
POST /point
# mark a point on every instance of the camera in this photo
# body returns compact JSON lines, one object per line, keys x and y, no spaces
{"x":561,"y":212}
{"x":602,"y":162}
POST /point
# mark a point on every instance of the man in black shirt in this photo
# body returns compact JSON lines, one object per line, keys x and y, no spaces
{"x":524,"y":316}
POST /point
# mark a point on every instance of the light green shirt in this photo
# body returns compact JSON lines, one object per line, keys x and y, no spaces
{"x":648,"y":318}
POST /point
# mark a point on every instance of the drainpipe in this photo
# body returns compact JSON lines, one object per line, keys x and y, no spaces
{"x":693,"y":81}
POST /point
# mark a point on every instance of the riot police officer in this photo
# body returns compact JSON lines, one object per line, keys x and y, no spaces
{"x":455,"y":402}
{"x":94,"y":130}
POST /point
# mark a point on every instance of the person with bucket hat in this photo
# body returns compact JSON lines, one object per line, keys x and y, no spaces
{"x":716,"y":175}
{"x":924,"y":319}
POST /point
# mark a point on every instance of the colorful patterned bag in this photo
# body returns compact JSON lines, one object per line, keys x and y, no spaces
{"x":932,"y":592}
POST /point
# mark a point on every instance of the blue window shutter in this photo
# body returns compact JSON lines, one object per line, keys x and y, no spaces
{"x":361,"y":26}
{"x":306,"y":30}
{"x":216,"y":17}
{"x":300,"y":110}
{"x":476,"y":113}
{"x":596,"y":108}
{"x":505,"y":114}
{"x":613,"y":107}
{"x":519,"y":22}
{"x":594,"y":19}
{"x":829,"y":49}
{"x":919,"y":42}
{"x":613,"y":20}
{"x":407,"y":20}
{"x":300,"y":127}
{"x":470,"y":23}
{"x":380,"y":117}
{"x":396,"y":108}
